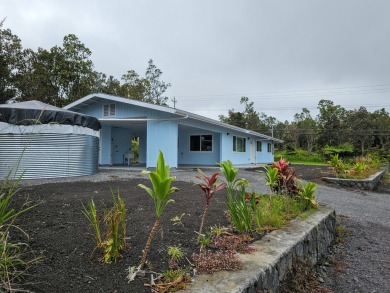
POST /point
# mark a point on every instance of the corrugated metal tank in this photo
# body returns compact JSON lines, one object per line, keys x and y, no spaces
{"x":48,"y":155}
{"x":47,"y":149}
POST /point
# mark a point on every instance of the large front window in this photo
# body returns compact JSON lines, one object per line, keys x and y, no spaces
{"x":239,"y":144}
{"x":201,"y":143}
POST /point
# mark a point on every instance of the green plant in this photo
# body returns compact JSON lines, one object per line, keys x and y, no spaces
{"x":176,"y":254}
{"x":114,"y":238}
{"x":230,"y":173}
{"x":209,"y":187}
{"x":176,"y":220}
{"x":171,"y":281}
{"x":272,"y":176}
{"x":219,"y":230}
{"x":115,"y":221}
{"x":204,"y":241}
{"x":8,"y":189}
{"x":91,"y":214}
{"x":240,"y":212}
{"x":160,"y":194}
{"x":269,"y":215}
{"x":15,"y":258}
{"x":337,"y":164}
{"x":307,"y":194}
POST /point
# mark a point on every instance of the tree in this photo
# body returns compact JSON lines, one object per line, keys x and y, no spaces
{"x":76,"y":75}
{"x":381,"y":125}
{"x":250,"y":119}
{"x":361,"y":129}
{"x":330,"y":122}
{"x":233,"y":118}
{"x":134,"y":87}
{"x":10,"y":60}
{"x":307,"y":128}
{"x":155,"y":88}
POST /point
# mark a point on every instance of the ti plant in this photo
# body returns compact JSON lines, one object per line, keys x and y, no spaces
{"x":160,"y":194}
{"x":210,"y":185}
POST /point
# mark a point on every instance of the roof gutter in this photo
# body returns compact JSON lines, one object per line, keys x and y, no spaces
{"x":143,"y":119}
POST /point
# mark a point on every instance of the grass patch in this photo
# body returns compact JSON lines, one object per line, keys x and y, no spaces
{"x":301,"y":157}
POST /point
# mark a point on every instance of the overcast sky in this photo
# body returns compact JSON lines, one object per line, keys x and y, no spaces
{"x":283,"y":55}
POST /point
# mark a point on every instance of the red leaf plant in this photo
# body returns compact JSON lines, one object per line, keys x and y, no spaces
{"x":287,"y":182}
{"x":209,"y":186}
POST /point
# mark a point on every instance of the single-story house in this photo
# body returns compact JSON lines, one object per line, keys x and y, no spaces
{"x":184,"y":138}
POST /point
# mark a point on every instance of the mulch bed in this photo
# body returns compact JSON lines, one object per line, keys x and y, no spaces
{"x":58,"y":229}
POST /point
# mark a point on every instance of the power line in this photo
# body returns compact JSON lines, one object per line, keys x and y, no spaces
{"x":298,"y":93}
{"x":294,"y":108}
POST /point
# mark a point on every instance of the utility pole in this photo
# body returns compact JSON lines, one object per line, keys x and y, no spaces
{"x":174,"y":102}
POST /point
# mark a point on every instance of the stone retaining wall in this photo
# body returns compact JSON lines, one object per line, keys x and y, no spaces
{"x":267,"y":267}
{"x":368,"y":184}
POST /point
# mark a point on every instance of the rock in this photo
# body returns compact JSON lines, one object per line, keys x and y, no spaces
{"x":320,"y":279}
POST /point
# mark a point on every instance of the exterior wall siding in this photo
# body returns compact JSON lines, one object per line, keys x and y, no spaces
{"x":167,"y":136}
{"x":105,"y":144}
{"x":162,"y":135}
{"x":185,"y":156}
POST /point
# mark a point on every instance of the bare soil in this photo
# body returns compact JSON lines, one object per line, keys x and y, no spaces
{"x":60,"y":232}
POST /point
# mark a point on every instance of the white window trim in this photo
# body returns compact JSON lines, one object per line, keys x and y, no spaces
{"x":261,"y":146}
{"x":200,"y":151}
{"x":235,"y":151}
{"x":270,"y":147}
{"x":110,"y":106}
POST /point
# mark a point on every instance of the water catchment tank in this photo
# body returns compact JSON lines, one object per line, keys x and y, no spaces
{"x":42,"y":141}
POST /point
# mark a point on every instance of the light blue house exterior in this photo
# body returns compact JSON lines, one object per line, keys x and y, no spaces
{"x":184,"y":138}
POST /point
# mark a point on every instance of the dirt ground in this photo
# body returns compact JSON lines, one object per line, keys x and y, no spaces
{"x":60,"y":232}
{"x":58,"y":229}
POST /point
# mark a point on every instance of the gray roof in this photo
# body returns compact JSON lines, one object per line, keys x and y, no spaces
{"x":93,"y":98}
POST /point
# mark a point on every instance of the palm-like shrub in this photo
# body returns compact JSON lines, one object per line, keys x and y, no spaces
{"x":160,"y":194}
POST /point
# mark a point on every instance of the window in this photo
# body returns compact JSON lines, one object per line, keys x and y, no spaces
{"x":201,"y":143}
{"x":258,"y":146}
{"x":239,"y":144}
{"x":269,"y":147}
{"x":109,"y":110}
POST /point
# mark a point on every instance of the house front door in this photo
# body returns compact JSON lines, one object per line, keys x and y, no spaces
{"x":253,"y":151}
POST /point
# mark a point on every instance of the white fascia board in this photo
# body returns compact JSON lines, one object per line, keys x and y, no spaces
{"x":121,"y":100}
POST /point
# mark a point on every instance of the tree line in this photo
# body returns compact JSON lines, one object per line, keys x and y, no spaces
{"x":63,"y":74}
{"x":357,"y":131}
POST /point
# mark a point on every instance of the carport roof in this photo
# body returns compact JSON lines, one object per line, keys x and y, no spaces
{"x":96,"y":97}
